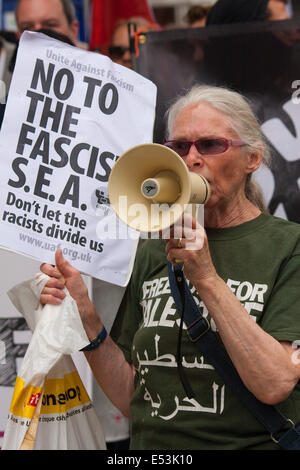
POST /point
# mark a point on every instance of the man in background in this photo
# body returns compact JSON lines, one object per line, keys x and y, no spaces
{"x":58,"y":15}
{"x":33,"y":15}
{"x":196,"y":15}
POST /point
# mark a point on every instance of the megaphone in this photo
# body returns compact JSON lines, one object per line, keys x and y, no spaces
{"x":150,"y":186}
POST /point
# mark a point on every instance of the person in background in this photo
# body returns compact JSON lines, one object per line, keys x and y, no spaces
{"x":196,"y":18}
{"x":36,"y":15}
{"x":58,"y":15}
{"x":119,"y":49}
{"x":196,"y":15}
{"x":8,"y":39}
{"x":239,"y":11}
{"x":278,"y":10}
{"x":10,"y":67}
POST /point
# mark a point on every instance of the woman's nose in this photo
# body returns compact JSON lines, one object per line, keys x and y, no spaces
{"x":193,"y":158}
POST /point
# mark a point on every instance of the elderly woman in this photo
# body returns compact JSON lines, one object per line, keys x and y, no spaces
{"x":245,"y":278}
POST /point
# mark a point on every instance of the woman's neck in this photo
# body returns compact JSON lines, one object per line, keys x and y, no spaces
{"x":234,"y":214}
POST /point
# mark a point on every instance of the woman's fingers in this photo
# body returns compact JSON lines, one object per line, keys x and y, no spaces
{"x":56,"y":283}
{"x":60,"y":276}
{"x":53,"y":292}
{"x":63,"y":266}
{"x":190,"y":240}
{"x":50,"y":270}
{"x":51,"y":295}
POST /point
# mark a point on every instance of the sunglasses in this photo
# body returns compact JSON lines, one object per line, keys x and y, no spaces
{"x":205,"y":146}
{"x":117,"y":51}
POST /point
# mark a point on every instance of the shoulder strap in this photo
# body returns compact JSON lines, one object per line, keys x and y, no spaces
{"x":210,"y":346}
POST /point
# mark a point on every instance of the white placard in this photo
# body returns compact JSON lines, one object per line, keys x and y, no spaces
{"x":70,"y":114}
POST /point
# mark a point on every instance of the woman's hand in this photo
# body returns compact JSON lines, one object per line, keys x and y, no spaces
{"x":61,"y":275}
{"x":188,"y":245}
{"x":64,"y":274}
{"x":53,"y":291}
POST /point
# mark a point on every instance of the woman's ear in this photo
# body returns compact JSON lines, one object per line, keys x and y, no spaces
{"x":254,"y":158}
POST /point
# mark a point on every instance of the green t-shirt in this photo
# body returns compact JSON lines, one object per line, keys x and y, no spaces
{"x":260,"y":262}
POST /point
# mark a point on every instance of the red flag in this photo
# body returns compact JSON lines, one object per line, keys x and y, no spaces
{"x":106,"y":13}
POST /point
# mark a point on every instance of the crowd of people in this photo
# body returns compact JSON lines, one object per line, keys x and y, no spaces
{"x":245,"y":278}
{"x":60,"y":16}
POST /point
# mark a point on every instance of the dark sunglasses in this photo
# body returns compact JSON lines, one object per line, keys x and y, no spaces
{"x":117,"y":51}
{"x":205,"y":146}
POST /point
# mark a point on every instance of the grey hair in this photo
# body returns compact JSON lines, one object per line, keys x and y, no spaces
{"x":68,"y":8}
{"x":241,"y":119}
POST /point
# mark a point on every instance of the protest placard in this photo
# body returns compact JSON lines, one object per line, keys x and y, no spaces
{"x":70,"y":114}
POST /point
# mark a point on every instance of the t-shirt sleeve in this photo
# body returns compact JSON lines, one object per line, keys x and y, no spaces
{"x":127,"y":321}
{"x":281,"y":318}
{"x":129,"y":315}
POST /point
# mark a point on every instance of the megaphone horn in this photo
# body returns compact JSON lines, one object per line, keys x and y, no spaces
{"x":157,"y":186}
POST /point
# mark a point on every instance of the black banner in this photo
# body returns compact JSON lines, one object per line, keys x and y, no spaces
{"x":262,"y":61}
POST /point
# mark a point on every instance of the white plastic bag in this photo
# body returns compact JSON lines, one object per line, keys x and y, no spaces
{"x":50,"y":408}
